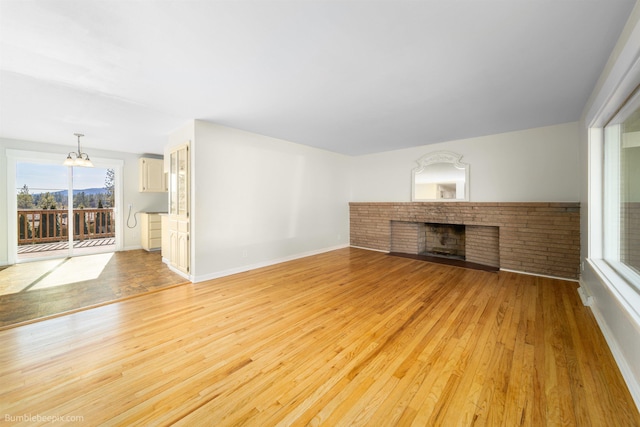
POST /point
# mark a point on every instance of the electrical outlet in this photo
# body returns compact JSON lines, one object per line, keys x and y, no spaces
{"x":245,"y":253}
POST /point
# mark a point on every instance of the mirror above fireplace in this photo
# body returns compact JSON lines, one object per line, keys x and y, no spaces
{"x":440,"y":176}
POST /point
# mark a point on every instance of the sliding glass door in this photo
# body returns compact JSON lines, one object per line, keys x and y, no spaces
{"x":63,"y":211}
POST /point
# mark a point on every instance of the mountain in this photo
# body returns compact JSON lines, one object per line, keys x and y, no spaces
{"x":86,"y":191}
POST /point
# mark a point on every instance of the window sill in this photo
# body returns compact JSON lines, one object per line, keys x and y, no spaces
{"x":628,"y":296}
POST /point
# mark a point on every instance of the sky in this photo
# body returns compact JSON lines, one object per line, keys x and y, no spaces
{"x":41,"y":178}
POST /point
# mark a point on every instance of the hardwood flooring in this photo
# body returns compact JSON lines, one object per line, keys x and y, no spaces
{"x":41,"y":289}
{"x":349,"y":337}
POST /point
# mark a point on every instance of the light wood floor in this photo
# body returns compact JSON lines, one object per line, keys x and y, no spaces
{"x":350,"y":337}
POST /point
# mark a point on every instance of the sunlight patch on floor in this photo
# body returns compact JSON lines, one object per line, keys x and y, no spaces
{"x":16,"y":277}
{"x":49,"y":273}
{"x":76,"y":269}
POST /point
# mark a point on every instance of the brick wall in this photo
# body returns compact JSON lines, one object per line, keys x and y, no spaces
{"x":407,"y":237}
{"x":483,"y":245}
{"x":539,"y":238}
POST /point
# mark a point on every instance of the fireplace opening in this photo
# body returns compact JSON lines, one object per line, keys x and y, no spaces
{"x":444,"y":240}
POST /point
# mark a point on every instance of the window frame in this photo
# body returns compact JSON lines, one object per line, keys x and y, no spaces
{"x":614,"y":274}
{"x":612,"y":182}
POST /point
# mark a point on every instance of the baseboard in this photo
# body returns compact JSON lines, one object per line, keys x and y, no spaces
{"x":250,"y":267}
{"x":369,"y":249}
{"x":180,"y":273}
{"x":621,"y":361}
{"x":587,"y":300}
{"x":539,"y":275}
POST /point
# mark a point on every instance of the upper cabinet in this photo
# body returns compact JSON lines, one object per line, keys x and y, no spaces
{"x":179,"y":181}
{"x":152,"y":176}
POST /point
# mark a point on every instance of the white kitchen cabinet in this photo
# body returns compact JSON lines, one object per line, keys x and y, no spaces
{"x":151,"y":231}
{"x":179,"y":245}
{"x":152,"y":177}
{"x":179,"y":207}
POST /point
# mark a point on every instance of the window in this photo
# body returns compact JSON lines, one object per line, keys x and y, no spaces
{"x":622,"y":192}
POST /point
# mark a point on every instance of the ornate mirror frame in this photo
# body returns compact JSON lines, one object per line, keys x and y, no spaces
{"x":441,"y":158}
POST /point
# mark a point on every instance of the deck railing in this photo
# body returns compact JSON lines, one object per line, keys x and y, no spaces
{"x":52,"y":225}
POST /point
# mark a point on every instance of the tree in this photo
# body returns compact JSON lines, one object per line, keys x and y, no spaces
{"x":25,"y":200}
{"x":109,"y":185}
{"x":80,"y":200}
{"x":47,"y":201}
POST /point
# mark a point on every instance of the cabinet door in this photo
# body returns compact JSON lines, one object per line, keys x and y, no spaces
{"x":152,"y":179}
{"x":173,"y":246}
{"x":179,"y":245}
{"x":183,"y":183}
{"x":173,"y":181}
{"x":179,"y":182}
{"x":182,"y":263}
{"x":179,"y":226}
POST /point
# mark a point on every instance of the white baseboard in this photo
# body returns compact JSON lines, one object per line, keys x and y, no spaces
{"x":369,"y":249}
{"x":249,"y":267}
{"x":179,"y":273}
{"x":623,"y":364}
{"x":587,"y":300}
{"x":539,"y":275}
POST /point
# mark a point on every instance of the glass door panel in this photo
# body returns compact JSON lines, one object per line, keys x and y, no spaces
{"x":183,"y":190}
{"x":93,"y":210}
{"x":42,"y":199}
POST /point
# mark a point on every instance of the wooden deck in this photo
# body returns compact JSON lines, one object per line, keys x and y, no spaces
{"x":56,"y":246}
{"x":349,"y":337}
{"x":61,"y":249}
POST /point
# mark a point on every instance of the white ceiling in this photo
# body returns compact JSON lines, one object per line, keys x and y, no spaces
{"x":353,"y":77}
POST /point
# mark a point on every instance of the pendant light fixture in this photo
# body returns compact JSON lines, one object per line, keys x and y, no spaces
{"x":80,"y":158}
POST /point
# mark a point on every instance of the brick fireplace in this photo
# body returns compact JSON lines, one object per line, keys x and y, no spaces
{"x":539,"y":238}
{"x":474,"y":243}
{"x":446,"y":240}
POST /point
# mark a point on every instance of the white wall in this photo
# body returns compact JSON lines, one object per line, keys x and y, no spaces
{"x":617,"y":317}
{"x":531,"y":165}
{"x":259,"y":200}
{"x":140,"y":201}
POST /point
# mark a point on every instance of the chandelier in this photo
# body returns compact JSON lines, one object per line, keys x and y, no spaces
{"x":79,"y":158}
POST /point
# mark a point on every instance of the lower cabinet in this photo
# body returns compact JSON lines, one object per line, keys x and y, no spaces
{"x":151,"y":231}
{"x":179,"y":245}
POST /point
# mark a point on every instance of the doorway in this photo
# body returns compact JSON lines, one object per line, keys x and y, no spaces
{"x":60,"y":211}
